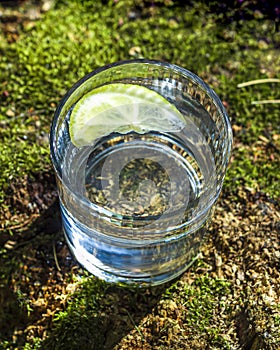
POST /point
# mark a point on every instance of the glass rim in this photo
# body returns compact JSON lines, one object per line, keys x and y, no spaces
{"x":101,"y":211}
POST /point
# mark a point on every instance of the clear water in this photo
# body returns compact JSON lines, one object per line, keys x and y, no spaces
{"x":130,"y":203}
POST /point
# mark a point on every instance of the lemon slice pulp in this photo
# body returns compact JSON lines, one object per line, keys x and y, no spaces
{"x":121,"y":108}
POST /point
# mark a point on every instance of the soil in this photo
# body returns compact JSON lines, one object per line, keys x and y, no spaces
{"x":38,"y":272}
{"x":242,"y":247}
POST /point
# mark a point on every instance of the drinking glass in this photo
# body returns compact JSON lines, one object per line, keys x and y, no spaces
{"x":135,"y":206}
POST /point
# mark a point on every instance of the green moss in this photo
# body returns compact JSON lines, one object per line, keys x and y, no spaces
{"x":74,"y":38}
{"x":97,"y":315}
{"x":250,"y":169}
{"x":87,"y":35}
{"x":201,"y":301}
{"x":82,"y":324}
{"x":39,"y":68}
{"x":34,"y":345}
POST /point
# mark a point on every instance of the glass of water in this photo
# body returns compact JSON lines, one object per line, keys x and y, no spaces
{"x":136,"y":204}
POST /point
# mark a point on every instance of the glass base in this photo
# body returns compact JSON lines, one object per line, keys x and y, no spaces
{"x":137,"y":278}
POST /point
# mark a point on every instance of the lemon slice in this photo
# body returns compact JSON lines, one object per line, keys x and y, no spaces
{"x":121,"y":108}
